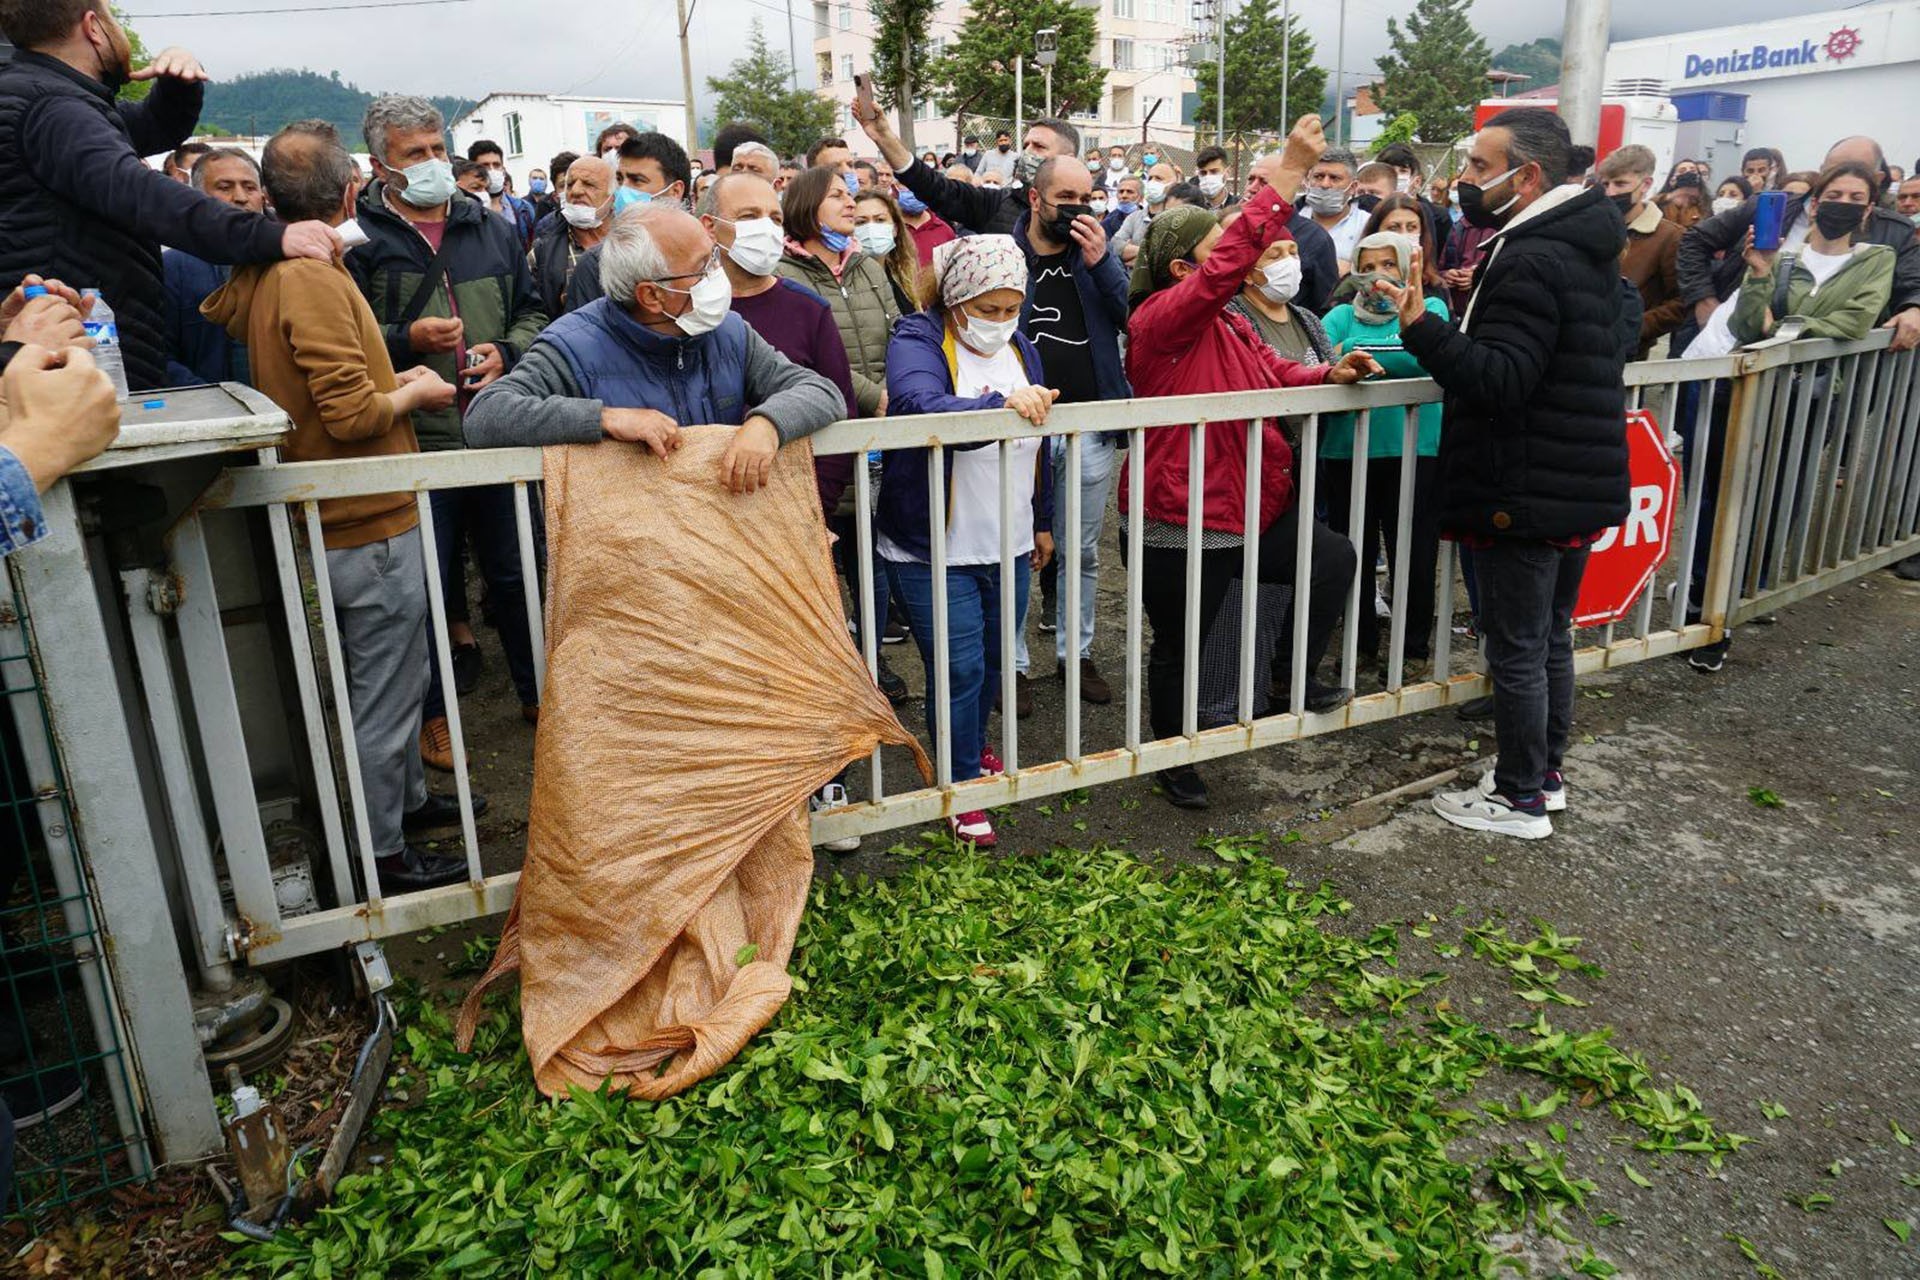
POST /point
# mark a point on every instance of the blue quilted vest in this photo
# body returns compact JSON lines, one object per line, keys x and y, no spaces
{"x":625,"y":365}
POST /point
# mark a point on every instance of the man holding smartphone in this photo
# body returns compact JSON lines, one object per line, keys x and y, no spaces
{"x":987,"y":210}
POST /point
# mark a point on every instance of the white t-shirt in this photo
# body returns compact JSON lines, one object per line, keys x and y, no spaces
{"x":1346,"y":232}
{"x":973,"y":499}
{"x":1821,"y":266}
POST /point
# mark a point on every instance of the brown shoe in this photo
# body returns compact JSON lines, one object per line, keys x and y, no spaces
{"x":436,"y":744}
{"x":1093,"y":686}
{"x":1022,"y":696}
{"x":531,"y":714}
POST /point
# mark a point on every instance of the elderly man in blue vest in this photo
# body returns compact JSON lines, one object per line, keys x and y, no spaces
{"x":661,"y":350}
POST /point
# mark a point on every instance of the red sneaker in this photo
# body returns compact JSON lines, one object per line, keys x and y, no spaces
{"x":974,"y":829}
{"x":990,"y":763}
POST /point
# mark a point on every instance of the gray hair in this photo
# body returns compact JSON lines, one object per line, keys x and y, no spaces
{"x":307,"y":170}
{"x":396,"y":111}
{"x":630,"y":256}
{"x":221,"y":153}
{"x":1340,"y":156}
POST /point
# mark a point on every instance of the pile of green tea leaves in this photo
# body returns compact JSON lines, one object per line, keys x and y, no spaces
{"x":1073,"y":1064}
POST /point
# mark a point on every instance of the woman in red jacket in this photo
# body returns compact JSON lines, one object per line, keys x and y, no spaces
{"x":1183,"y":340}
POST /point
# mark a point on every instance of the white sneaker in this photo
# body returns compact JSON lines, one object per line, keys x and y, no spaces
{"x":1381,"y":609}
{"x":1494,"y":813}
{"x":833,"y":796}
{"x":1556,"y":797}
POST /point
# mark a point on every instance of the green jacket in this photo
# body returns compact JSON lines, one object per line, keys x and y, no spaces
{"x":1845,"y":307}
{"x":1347,"y":332}
{"x":485,"y":281}
{"x":864,"y":308}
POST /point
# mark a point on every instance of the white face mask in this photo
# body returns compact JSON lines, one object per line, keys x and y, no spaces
{"x":1403,"y":183}
{"x":1156,"y":191}
{"x":1117,"y":165}
{"x":612,"y":156}
{"x":757,"y":245}
{"x":1212,"y":184}
{"x":712,"y":299}
{"x":1723,"y":203}
{"x":1098,"y":205}
{"x":583,"y":217}
{"x":496,"y":181}
{"x":876,"y":238}
{"x":988,"y":337}
{"x":1282,"y":283}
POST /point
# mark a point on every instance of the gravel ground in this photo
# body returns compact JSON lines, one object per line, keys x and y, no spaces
{"x":1760,"y":955}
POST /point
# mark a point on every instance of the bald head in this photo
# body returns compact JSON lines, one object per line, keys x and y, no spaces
{"x":589,"y":180}
{"x":1068,"y":176}
{"x":308,"y":173}
{"x":1859,"y":149}
{"x":741,"y":194}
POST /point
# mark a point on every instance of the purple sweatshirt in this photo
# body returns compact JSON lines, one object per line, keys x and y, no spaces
{"x":798,"y":323}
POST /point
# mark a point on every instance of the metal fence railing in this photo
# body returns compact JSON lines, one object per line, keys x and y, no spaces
{"x":1802,"y":471}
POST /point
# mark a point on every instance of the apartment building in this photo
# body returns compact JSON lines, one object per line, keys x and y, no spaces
{"x":1141,"y":44}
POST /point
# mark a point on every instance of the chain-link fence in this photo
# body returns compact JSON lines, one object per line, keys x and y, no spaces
{"x":64,"y":1077}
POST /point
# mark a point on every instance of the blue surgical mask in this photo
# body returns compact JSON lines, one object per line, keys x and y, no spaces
{"x":1149,"y":160}
{"x":429,"y":183}
{"x":911,"y":204}
{"x":627,"y":197}
{"x":538,"y":186}
{"x":852,"y":180}
{"x":835,"y":240}
{"x":1128,"y":207}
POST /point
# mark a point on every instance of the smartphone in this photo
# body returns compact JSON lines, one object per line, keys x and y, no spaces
{"x":863,"y":91}
{"x":1769,"y":220}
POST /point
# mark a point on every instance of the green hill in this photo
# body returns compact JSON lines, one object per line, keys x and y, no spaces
{"x":1537,"y":58}
{"x":265,"y":100}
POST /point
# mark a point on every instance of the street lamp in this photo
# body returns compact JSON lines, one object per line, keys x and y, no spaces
{"x":1046,"y":49}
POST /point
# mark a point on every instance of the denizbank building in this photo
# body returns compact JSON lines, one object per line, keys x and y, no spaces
{"x":1797,"y":84}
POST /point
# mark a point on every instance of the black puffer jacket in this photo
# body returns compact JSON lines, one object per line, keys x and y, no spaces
{"x":79,"y":204}
{"x":1534,"y":440}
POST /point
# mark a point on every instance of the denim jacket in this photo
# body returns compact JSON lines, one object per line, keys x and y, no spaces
{"x":21,"y":521}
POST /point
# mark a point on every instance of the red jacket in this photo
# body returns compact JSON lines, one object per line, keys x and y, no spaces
{"x":1183,"y":341}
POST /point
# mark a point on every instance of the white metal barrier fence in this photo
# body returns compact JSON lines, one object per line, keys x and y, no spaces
{"x":1819,"y":483}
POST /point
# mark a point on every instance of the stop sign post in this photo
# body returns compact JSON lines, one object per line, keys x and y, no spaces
{"x":1625,"y":558}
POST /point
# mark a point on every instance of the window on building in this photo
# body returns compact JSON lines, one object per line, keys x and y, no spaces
{"x":1161,"y":10}
{"x":846,"y":17}
{"x":820,"y":20}
{"x":923,"y":110}
{"x":1123,"y":8}
{"x":937,"y":47}
{"x":846,"y":66}
{"x":513,"y":134}
{"x":1123,"y":106}
{"x":826,"y":68}
{"x":1123,"y":55}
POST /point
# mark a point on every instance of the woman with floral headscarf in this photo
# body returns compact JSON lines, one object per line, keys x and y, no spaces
{"x":1183,"y":339}
{"x":962,"y":353}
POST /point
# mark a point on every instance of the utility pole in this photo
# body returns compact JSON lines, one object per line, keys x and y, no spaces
{"x":1583,"y":67}
{"x":1339,"y":83}
{"x":1046,"y":48}
{"x":1019,"y":98}
{"x":686,"y":71}
{"x":793,"y":55}
{"x":1286,"y":61}
{"x":1220,"y":73}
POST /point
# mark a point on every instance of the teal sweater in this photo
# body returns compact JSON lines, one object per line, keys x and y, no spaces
{"x":1382,"y":341}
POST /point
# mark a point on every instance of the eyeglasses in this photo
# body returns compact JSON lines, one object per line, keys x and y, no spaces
{"x":712,"y":264}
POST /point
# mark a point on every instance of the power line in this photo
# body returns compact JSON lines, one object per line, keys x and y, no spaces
{"x":336,"y":8}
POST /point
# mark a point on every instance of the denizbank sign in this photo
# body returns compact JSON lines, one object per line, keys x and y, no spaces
{"x":1760,"y":59}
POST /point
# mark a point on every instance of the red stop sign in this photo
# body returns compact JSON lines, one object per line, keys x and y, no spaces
{"x":1625,"y":557}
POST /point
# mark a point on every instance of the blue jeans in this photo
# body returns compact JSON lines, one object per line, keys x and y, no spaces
{"x":485,"y":514}
{"x":1527,"y":594}
{"x":974,"y":660}
{"x":1097,"y":461}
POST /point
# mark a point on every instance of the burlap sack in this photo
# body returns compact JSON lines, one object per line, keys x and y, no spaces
{"x":700,"y":686}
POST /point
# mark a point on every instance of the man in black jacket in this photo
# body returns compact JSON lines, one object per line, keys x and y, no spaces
{"x":1727,"y":232}
{"x":987,"y":210}
{"x":1533,"y":454}
{"x":76,"y":199}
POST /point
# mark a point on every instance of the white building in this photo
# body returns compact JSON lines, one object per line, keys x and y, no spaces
{"x":1798,"y":84}
{"x":1141,"y":43}
{"x":532,"y":128}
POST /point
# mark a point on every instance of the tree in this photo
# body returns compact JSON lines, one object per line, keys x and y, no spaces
{"x":1257,"y":48}
{"x":137,"y":89}
{"x":978,"y":67}
{"x":1436,"y":69}
{"x":1539,"y":60}
{"x":756,"y":91}
{"x":900,"y":48}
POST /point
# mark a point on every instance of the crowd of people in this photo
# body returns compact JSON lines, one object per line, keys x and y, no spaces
{"x":427,"y":304}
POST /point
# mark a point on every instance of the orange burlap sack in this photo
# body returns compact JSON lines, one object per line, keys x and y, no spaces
{"x":700,"y":686}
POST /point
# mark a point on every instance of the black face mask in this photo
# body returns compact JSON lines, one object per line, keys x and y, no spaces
{"x":1836,"y":218}
{"x":114,"y":75}
{"x":1473,"y":203}
{"x":1059,"y":227}
{"x":1006,"y":147}
{"x":1624,"y":202}
{"x":1367,"y":201}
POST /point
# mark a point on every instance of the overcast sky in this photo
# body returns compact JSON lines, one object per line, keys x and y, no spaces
{"x":472,"y":47}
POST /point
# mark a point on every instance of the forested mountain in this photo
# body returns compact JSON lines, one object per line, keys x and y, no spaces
{"x":263,"y":101}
